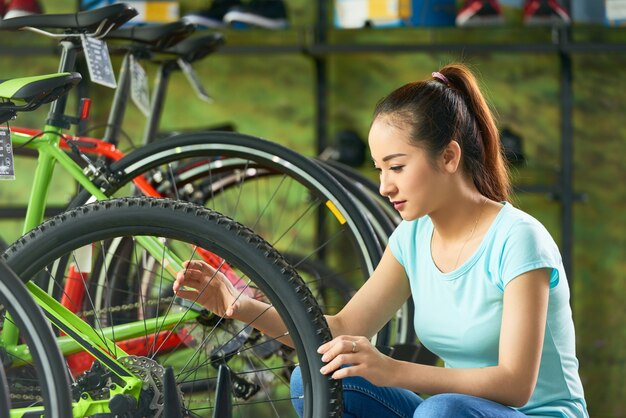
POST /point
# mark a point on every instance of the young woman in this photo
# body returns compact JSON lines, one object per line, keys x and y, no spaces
{"x":490,"y":292}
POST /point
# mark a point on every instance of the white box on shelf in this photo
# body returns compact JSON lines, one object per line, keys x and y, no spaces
{"x":350,"y":14}
{"x":149,"y":11}
{"x":615,"y":12}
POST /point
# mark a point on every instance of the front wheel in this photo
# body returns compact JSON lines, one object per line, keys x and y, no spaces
{"x":218,"y":364}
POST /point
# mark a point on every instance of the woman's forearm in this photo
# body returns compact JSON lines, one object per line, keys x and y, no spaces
{"x":265,"y":318}
{"x":495,"y":383}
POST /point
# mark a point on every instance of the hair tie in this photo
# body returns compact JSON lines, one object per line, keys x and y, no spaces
{"x":441,"y":77}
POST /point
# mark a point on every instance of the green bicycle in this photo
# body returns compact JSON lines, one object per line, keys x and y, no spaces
{"x":179,"y":349}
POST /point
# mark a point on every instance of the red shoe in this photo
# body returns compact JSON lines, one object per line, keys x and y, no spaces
{"x":479,"y":13}
{"x":17,"y":8}
{"x":3,"y":8}
{"x":545,"y":12}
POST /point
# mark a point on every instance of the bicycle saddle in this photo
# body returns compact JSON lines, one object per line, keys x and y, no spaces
{"x":198,"y":47}
{"x":32,"y":92}
{"x":87,"y":21}
{"x":157,"y":36}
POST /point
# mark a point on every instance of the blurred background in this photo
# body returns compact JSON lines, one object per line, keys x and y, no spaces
{"x":558,"y":91}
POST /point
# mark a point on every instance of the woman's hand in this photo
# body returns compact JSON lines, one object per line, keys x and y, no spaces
{"x":355,"y":356}
{"x":203,"y":284}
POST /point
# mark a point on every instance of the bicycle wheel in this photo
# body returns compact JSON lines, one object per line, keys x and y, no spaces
{"x":160,"y":331}
{"x":34,"y":360}
{"x":298,"y":208}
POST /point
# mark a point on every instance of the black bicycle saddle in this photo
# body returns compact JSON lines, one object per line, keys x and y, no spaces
{"x":114,"y":15}
{"x":157,"y":36}
{"x":198,"y":47}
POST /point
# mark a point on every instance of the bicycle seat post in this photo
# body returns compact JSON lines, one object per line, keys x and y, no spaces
{"x":120,"y":101}
{"x":158,"y":102}
{"x":67,"y":62}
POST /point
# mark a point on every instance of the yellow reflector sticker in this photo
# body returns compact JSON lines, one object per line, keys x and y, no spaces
{"x":335,"y":212}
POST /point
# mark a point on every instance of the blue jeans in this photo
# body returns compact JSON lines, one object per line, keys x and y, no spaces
{"x":361,"y":399}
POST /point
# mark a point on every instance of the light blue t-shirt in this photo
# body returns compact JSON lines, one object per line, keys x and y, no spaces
{"x":458,"y":315}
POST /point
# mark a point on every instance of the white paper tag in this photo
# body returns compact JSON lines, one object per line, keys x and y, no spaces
{"x":193,"y":79}
{"x":139,"y":90}
{"x":98,"y":61}
{"x":7,"y":169}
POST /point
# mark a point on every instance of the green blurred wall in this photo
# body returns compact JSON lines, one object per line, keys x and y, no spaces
{"x":273,"y":96}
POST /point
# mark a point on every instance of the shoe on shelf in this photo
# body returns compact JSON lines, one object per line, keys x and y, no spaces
{"x":480,"y":13}
{"x":18,"y":8}
{"x":269,"y":14}
{"x":213,"y":17}
{"x":545,"y":12}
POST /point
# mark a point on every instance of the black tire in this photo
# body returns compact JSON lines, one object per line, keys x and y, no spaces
{"x":180,"y":224}
{"x":330,"y":288}
{"x":45,"y":370}
{"x":3,"y":245}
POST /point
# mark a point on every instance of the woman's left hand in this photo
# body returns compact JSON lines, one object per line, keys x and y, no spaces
{"x":358,"y":357}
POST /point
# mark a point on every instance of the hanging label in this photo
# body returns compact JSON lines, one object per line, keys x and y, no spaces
{"x":193,"y":79}
{"x":7,"y":169}
{"x":98,"y":61}
{"x":139,"y":90}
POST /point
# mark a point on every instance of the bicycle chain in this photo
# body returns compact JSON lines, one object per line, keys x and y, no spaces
{"x":29,"y":398}
{"x":124,"y":307}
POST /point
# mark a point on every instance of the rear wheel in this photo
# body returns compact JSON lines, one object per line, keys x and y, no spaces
{"x":284,"y":197}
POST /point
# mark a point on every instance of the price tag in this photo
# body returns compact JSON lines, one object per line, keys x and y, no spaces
{"x":193,"y":79}
{"x":98,"y":61}
{"x":7,"y":169}
{"x":139,"y":90}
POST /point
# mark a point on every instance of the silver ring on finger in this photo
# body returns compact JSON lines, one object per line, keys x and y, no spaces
{"x":354,"y":346}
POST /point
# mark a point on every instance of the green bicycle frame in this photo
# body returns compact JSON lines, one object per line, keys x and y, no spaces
{"x":79,"y":335}
{"x":49,"y":151}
